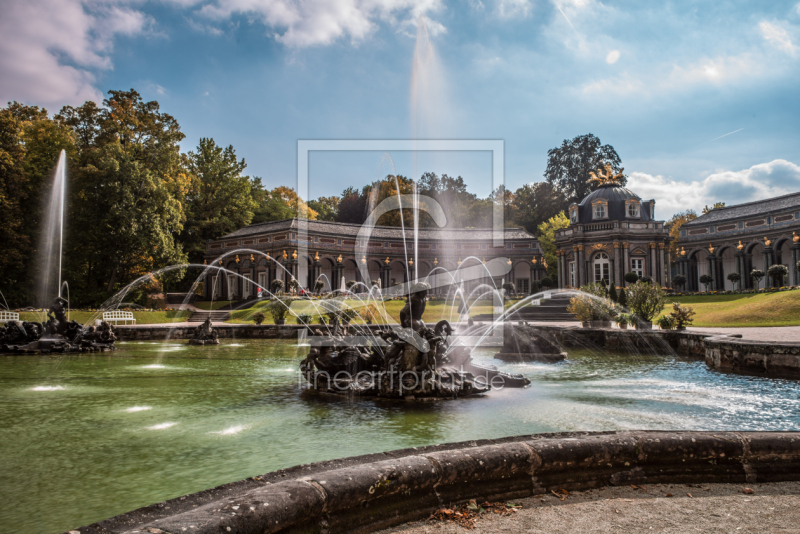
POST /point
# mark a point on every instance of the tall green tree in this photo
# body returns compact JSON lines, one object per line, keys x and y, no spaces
{"x":219,"y":200}
{"x":569,"y":165}
{"x":326,"y":207}
{"x":536,"y":203}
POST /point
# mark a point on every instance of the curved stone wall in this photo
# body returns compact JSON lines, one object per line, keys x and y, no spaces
{"x":367,"y":493}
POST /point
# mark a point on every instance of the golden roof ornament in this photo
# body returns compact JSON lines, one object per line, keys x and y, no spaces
{"x":294,"y":255}
{"x":606,"y":175}
{"x":683,"y":252}
{"x":316,"y":256}
{"x":767,"y":242}
{"x":711,"y":248}
{"x":795,"y":237}
{"x":386,"y":261}
{"x":740,"y":246}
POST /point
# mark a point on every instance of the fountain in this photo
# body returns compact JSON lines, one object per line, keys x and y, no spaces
{"x":57,"y":333}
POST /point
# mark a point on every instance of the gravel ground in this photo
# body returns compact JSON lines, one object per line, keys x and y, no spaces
{"x":773,"y":508}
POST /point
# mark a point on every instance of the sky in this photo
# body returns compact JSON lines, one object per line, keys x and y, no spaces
{"x":700,"y":99}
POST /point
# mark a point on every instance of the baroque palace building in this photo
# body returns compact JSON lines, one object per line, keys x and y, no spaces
{"x":611,"y":232}
{"x":740,"y":238}
{"x":334,"y":254}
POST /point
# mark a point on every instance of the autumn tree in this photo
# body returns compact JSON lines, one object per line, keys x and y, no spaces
{"x":536,"y":203}
{"x":547,"y":237}
{"x":674,"y":224}
{"x":569,"y":165}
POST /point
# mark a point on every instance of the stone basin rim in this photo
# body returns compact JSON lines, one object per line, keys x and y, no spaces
{"x":370,"y":492}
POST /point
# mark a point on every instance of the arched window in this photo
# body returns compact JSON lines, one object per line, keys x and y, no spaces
{"x":573,"y":215}
{"x":602,"y":267}
{"x":633,"y":209}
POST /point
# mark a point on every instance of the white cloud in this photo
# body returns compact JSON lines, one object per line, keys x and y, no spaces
{"x":765,"y":180}
{"x":778,"y":37}
{"x":50,"y":49}
{"x":612,"y":57}
{"x":508,"y":9}
{"x":322,"y":22}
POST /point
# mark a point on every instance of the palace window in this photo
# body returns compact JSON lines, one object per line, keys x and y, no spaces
{"x":572,"y":273}
{"x":599,"y":210}
{"x":602,"y":268}
{"x":637,"y":266}
{"x":633,"y":209}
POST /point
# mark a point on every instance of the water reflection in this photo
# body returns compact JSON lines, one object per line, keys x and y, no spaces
{"x":127,"y":433}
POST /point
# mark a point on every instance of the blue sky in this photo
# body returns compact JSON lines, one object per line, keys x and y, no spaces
{"x":661,"y":82}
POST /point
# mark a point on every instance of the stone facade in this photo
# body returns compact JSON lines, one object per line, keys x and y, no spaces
{"x":612,"y":231}
{"x":739,"y":239}
{"x":269,"y":251}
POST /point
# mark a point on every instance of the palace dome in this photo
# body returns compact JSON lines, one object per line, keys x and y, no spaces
{"x":611,"y":202}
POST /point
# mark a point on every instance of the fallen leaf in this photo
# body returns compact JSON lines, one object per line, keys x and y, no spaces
{"x":688,"y":494}
{"x":669,"y":495}
{"x":748,"y":491}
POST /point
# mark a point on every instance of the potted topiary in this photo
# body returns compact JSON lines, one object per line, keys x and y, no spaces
{"x":666,"y":322}
{"x":679,"y":281}
{"x":682,"y":316}
{"x":622,"y":319}
{"x":259,"y":317}
{"x":304,"y":318}
{"x":279,"y":309}
{"x":319,"y":285}
{"x":706,"y":280}
{"x":778,"y":272}
{"x":645,"y":301}
{"x":294,"y":285}
{"x":631,"y":277}
{"x":757,"y":275}
{"x":734,"y":278}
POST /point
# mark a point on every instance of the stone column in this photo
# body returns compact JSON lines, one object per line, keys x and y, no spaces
{"x":617,"y":266}
{"x":668,"y":267}
{"x":769,"y":260}
{"x":653,"y":263}
{"x":625,"y":262}
{"x":661,"y":268}
{"x":794,"y":274}
{"x":559,"y":270}
{"x":579,"y":267}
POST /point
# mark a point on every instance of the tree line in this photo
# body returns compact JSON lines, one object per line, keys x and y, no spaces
{"x":136,"y":203}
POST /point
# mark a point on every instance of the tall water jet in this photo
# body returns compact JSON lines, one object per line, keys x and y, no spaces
{"x":51,"y":240}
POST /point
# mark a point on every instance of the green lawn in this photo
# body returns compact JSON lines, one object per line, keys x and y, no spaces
{"x":766,"y":309}
{"x":149,"y":317}
{"x":434,"y":311}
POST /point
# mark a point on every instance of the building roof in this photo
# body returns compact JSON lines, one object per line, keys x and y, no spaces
{"x":616,"y":198}
{"x":379,"y":232}
{"x":748,"y":209}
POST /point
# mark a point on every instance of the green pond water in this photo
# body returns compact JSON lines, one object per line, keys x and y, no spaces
{"x":86,"y":437}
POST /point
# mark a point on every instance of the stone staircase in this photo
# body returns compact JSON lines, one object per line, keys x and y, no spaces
{"x":553,"y":310}
{"x":217,"y":316}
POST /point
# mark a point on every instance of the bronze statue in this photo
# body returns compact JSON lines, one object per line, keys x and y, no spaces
{"x":411,"y":314}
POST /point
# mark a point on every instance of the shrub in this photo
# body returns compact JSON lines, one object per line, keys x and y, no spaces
{"x":510,"y":288}
{"x":622,"y":318}
{"x":304,"y":318}
{"x":631,"y":277}
{"x":623,"y":297}
{"x":706,"y":280}
{"x":666,"y":322}
{"x":734,"y":278}
{"x":293,"y":284}
{"x":593,"y":306}
{"x":349,"y":284}
{"x":683,"y":315}
{"x":646,"y":279}
{"x":645,"y":300}
{"x":757,"y":275}
{"x":259,"y":317}
{"x":680,"y":281}
{"x":778,"y":272}
{"x":534,"y":287}
{"x":319,"y":285}
{"x":547,"y":282}
{"x":612,"y":293}
{"x":279,"y":309}
{"x":369,"y":313}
